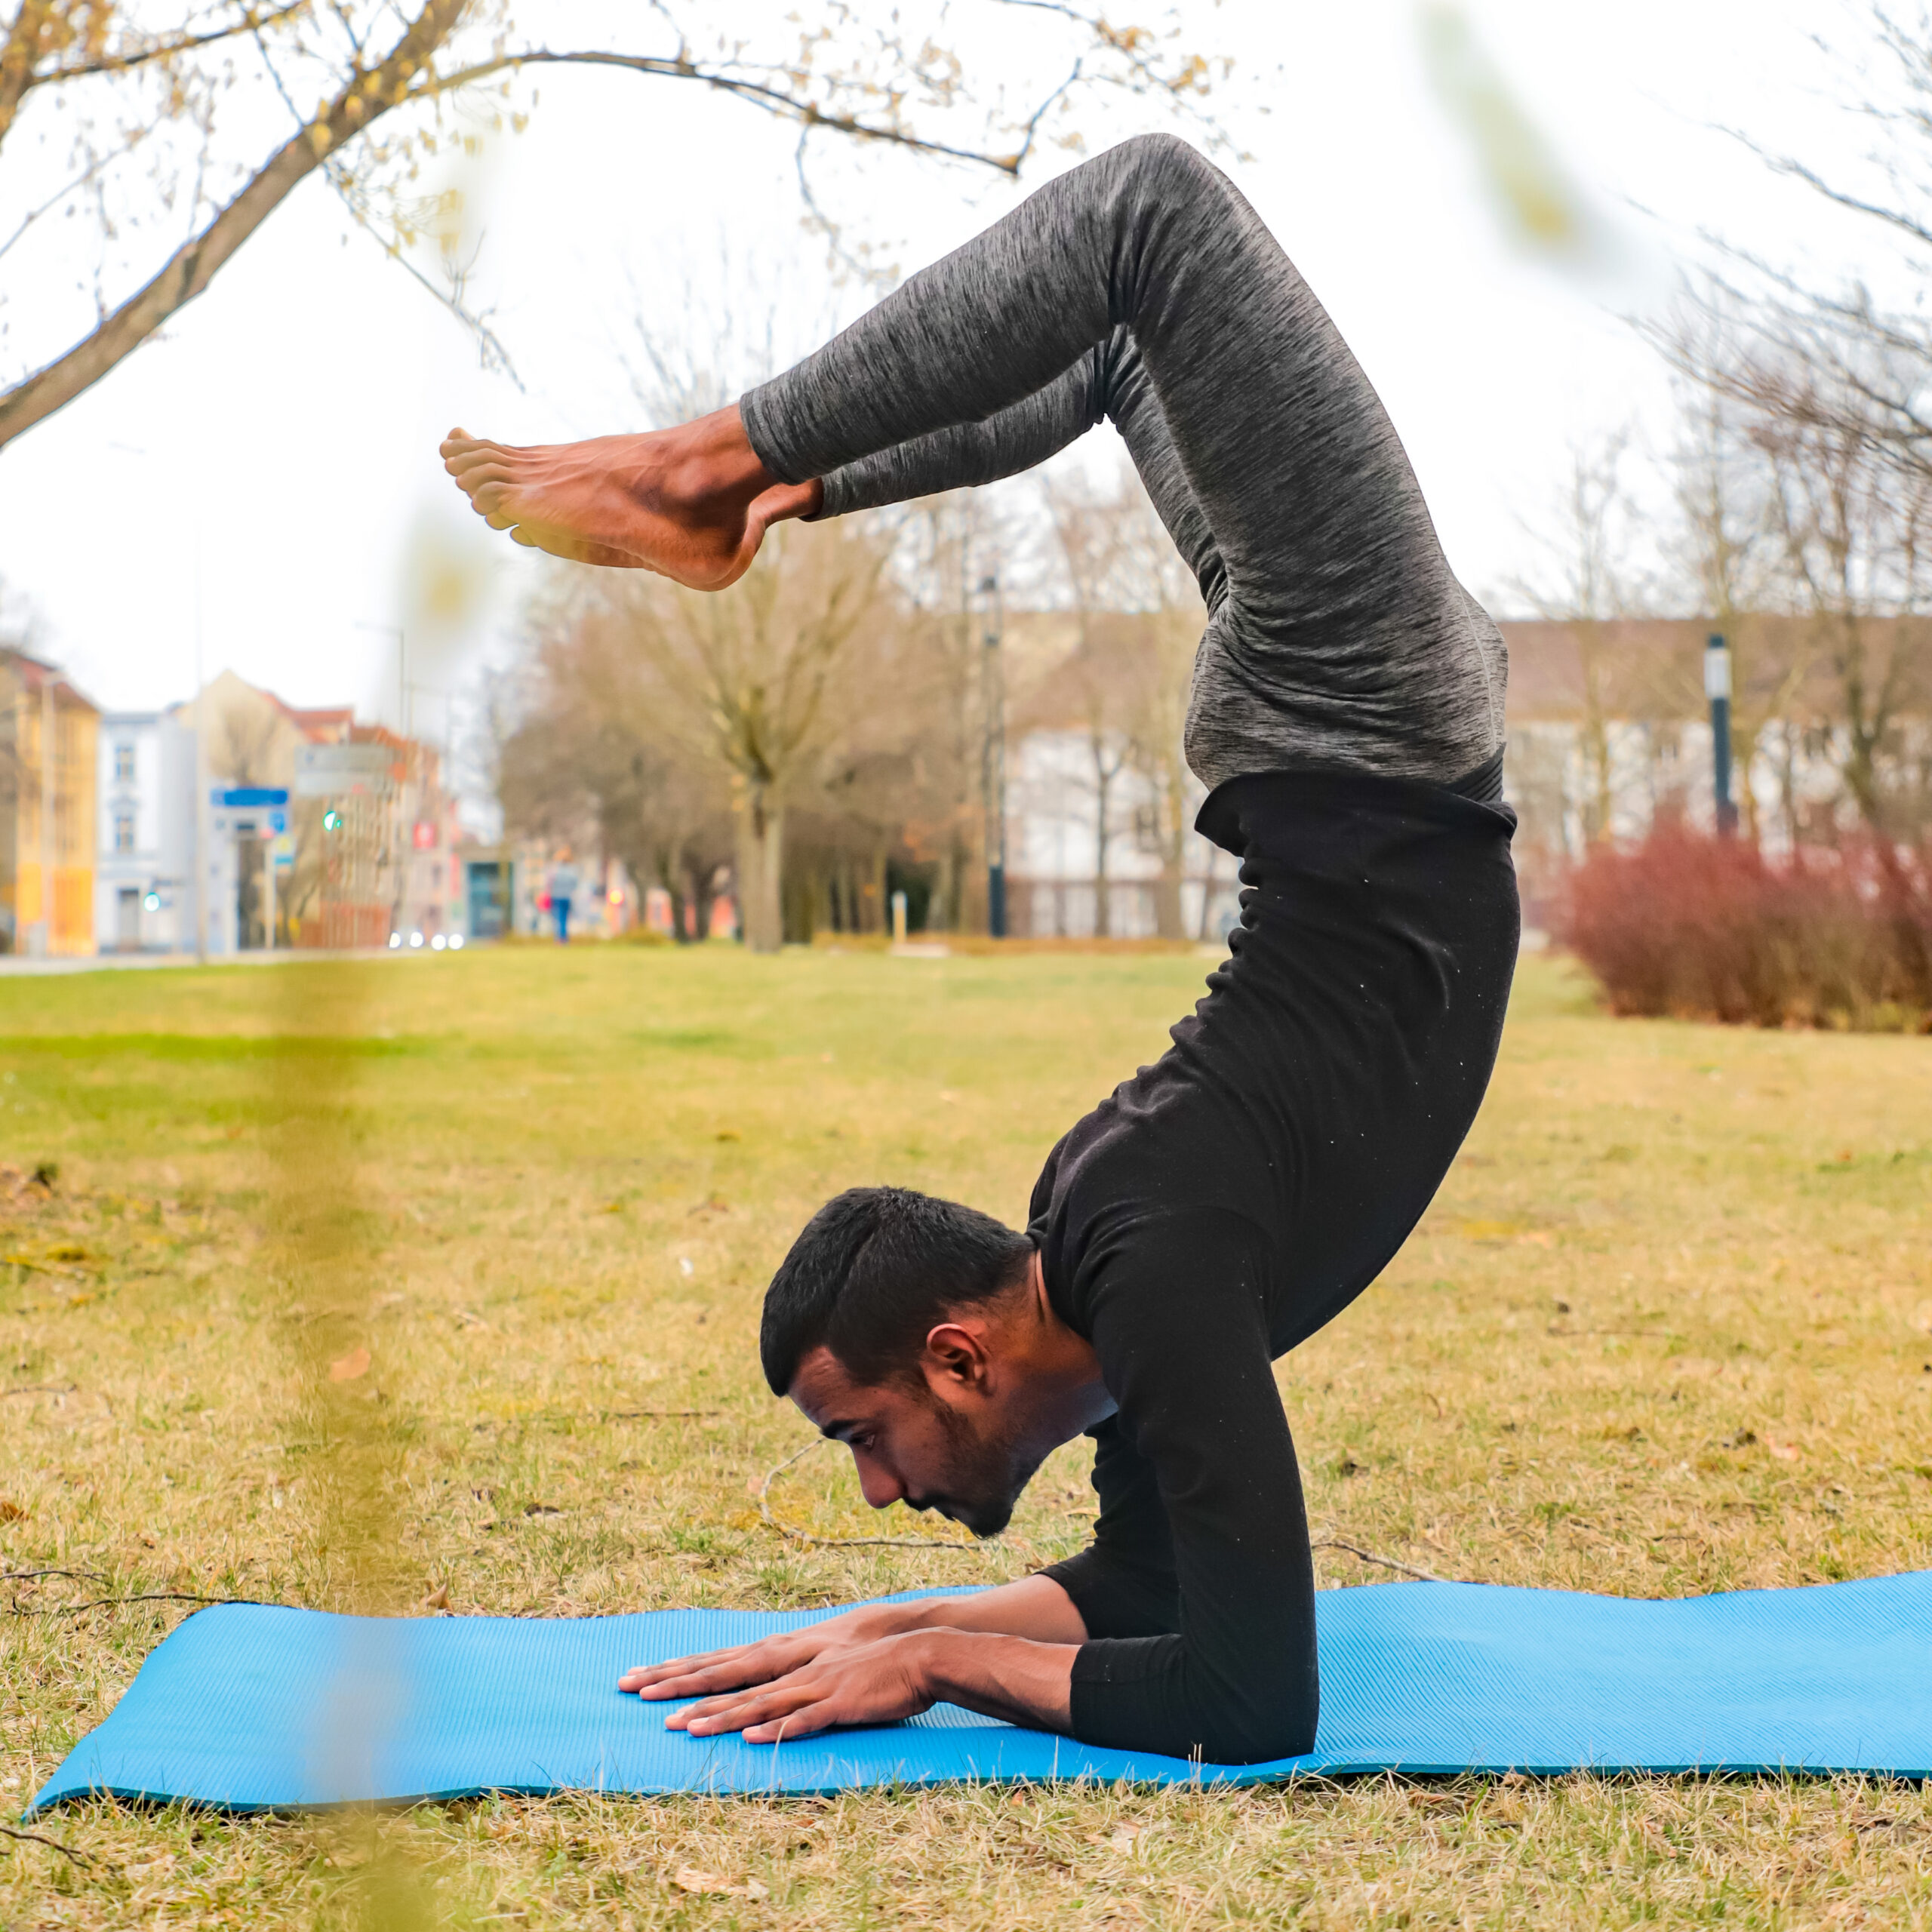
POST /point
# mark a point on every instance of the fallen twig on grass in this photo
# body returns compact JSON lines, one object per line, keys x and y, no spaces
{"x":839,"y":1542}
{"x":43,"y":1389}
{"x":1386,"y":1562}
{"x":74,"y":1852}
{"x":28,"y":1575}
{"x":146,"y":1596}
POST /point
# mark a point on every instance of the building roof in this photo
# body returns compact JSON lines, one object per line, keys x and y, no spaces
{"x":320,"y":725}
{"x":36,"y":672}
{"x":1653,"y":667}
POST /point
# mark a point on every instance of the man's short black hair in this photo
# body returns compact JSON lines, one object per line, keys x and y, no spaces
{"x":873,"y":1271}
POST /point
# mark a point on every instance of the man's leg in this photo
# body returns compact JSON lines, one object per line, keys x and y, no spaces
{"x":1342,"y":624}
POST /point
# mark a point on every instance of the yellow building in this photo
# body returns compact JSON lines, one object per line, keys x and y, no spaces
{"x":49,"y":750}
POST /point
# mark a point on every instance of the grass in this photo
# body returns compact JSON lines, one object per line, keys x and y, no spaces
{"x":1667,"y":1329}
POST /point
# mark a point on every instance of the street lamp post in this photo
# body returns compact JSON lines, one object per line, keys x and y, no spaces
{"x":993,"y":756}
{"x":402,"y":854}
{"x":1717,"y":688}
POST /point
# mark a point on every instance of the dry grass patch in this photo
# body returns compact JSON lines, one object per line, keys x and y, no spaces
{"x":1667,"y":1330}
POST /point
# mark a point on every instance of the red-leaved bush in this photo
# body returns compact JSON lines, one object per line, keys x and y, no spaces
{"x":1708,"y":928}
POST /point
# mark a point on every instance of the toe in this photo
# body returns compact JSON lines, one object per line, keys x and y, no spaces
{"x":477,"y":465}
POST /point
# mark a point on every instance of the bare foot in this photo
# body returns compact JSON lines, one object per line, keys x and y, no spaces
{"x":692,"y":504}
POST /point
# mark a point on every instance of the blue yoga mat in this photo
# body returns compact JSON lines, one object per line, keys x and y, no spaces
{"x":250,"y":1707}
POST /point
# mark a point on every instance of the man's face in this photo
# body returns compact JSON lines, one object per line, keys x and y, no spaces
{"x":954,"y":1451}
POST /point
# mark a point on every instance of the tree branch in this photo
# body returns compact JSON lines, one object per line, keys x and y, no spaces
{"x":399,"y":81}
{"x":192,"y":266}
{"x":20,"y":57}
{"x":251,"y":22}
{"x":775,"y":100}
{"x":74,"y":1852}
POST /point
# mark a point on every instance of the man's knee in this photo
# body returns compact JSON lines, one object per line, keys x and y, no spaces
{"x":1157,"y":150}
{"x":1167,"y":165}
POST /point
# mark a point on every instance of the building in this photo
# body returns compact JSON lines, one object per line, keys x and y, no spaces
{"x":1608,"y":727}
{"x":1093,"y":849}
{"x":318,"y":832}
{"x":144,"y":881}
{"x":322,"y":832}
{"x":49,"y":736}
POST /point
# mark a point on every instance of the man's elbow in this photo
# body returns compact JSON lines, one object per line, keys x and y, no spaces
{"x":1277,"y":1720}
{"x":1258,"y":1742}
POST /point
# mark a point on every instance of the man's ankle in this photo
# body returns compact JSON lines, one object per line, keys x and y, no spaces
{"x":714,"y":466}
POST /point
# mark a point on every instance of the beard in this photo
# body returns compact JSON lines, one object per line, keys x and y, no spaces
{"x":985,"y":1475}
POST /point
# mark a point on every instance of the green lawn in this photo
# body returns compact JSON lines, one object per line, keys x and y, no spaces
{"x":1669,"y":1329}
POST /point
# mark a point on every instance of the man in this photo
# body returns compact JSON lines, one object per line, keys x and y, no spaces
{"x":1225,"y":1203}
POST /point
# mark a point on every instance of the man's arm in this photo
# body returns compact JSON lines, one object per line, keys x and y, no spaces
{"x":1178,"y":1306}
{"x":897,"y":1676}
{"x":1035,"y":1609}
{"x":1123,"y":1583}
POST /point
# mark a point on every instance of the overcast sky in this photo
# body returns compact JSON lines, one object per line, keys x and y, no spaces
{"x":277,"y":446}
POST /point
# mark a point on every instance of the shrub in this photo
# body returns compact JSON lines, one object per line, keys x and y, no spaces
{"x":1706,"y":928}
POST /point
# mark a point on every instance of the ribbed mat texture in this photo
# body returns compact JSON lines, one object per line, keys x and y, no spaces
{"x":249,"y":1707}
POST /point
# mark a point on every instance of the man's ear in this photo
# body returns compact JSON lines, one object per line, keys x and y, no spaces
{"x":956,"y":1358}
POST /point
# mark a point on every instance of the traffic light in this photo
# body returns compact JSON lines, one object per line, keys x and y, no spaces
{"x":331,"y":821}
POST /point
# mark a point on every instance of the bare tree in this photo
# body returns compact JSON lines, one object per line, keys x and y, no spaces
{"x":952,"y":558}
{"x":590,"y":749}
{"x":1728,"y":556}
{"x":1857,"y":530}
{"x":1152,"y":583}
{"x":1591,"y":579}
{"x":1841,"y":501}
{"x":753,"y":679}
{"x":159,"y":118}
{"x":1139,"y":616}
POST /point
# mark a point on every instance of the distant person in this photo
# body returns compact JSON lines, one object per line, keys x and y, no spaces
{"x":561,"y":887}
{"x":1227,"y":1202}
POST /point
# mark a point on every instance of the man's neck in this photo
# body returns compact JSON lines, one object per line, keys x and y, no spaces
{"x":1061,"y":1370}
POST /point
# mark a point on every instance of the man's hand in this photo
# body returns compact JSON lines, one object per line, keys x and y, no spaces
{"x":711,"y":1671}
{"x":879,"y":1682}
{"x":1036,"y":1606}
{"x":880,"y":1679}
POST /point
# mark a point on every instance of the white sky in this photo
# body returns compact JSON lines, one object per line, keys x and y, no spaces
{"x":284,"y":429}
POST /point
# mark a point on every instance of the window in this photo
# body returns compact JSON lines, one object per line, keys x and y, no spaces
{"x":123,"y":765}
{"x":123,"y":832}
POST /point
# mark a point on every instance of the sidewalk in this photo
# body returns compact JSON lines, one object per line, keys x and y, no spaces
{"x":19,"y":965}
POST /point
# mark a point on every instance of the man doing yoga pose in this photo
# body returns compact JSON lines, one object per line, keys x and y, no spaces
{"x":1347,"y":713}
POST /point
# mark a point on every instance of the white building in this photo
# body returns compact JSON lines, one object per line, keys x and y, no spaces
{"x":144,"y":876}
{"x":1062,"y":790}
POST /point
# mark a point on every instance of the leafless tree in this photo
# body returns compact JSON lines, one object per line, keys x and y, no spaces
{"x":1857,"y":530}
{"x":1592,"y":577}
{"x":953,"y":557}
{"x":1139,"y":616}
{"x":751,"y":683}
{"x":1727,"y":554}
{"x":590,"y":752}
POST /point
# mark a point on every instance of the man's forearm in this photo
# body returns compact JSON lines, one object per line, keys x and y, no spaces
{"x":1034,"y":1607}
{"x":1023,"y":1681}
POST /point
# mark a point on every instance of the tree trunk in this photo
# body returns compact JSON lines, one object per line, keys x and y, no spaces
{"x":1166,"y":902}
{"x":703,"y":898}
{"x":761,"y":869}
{"x":1168,"y":916}
{"x":1102,"y":903}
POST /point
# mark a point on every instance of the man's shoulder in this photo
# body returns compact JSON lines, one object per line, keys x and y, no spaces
{"x":1146,"y":1259}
